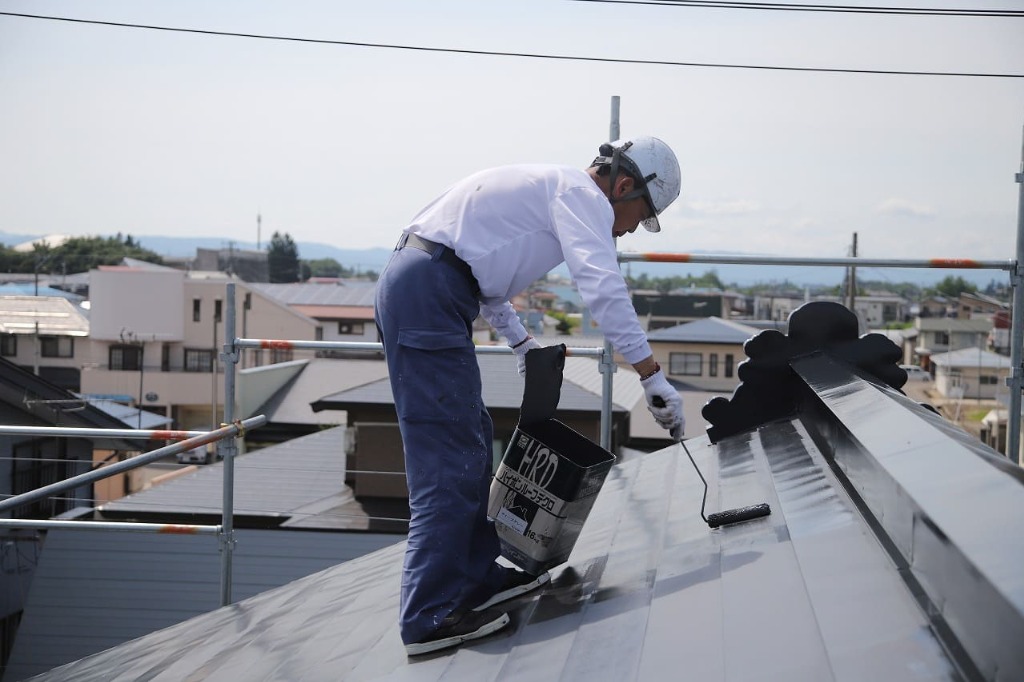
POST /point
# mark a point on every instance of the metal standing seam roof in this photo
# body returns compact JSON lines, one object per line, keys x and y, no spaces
{"x":649,"y":593}
{"x":971,"y":357}
{"x":320,"y":376}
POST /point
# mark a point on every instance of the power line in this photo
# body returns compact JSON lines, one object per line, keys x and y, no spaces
{"x":799,"y":7}
{"x":525,"y":55}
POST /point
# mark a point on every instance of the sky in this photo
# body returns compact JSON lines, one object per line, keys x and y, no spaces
{"x":144,"y":132}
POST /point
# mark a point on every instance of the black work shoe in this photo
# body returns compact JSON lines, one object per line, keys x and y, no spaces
{"x":516,"y":583}
{"x":457,"y":628}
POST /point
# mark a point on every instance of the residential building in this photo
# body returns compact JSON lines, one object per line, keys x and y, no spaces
{"x":47,"y":335}
{"x":343,"y":308}
{"x":703,"y":354}
{"x":974,"y":305}
{"x":971,"y":373}
{"x":936,"y":306}
{"x":158,"y":334}
{"x":944,"y":334}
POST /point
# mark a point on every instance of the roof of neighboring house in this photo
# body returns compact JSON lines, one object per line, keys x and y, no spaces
{"x":971,"y":357}
{"x":705,"y":330}
{"x":335,"y":312}
{"x":49,"y":405}
{"x":952,"y":324}
{"x":54,"y":315}
{"x":347,"y":293}
{"x":319,"y":377}
{"x":30,"y":289}
{"x":502,"y":389}
{"x":288,"y":483}
{"x":132,"y":416}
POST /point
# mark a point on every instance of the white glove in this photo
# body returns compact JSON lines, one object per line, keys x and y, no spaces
{"x":527,"y":344}
{"x":665,"y":404}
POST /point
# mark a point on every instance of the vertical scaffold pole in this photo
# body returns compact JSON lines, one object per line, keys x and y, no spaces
{"x":1016,"y":379}
{"x":228,"y":447}
{"x":607,"y":366}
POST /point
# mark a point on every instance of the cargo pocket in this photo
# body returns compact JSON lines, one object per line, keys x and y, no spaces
{"x":438,"y":377}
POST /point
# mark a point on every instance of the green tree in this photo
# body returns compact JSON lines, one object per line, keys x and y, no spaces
{"x":325,"y":267}
{"x":283,"y":259}
{"x":78,"y":254}
{"x":952,"y":287}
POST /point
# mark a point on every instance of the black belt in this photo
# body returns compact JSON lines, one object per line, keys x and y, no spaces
{"x":447,"y":256}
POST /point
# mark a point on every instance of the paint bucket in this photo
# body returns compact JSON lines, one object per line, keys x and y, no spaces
{"x":542,"y":492}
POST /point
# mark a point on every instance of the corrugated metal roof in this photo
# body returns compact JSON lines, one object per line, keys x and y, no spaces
{"x":705,"y":330}
{"x":54,"y":315}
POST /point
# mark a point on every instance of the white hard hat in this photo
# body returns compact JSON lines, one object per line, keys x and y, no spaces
{"x":654,"y":166}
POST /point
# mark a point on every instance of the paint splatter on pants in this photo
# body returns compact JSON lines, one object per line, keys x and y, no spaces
{"x":425,"y":310}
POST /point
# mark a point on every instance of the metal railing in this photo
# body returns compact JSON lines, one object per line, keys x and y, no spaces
{"x":194,"y":439}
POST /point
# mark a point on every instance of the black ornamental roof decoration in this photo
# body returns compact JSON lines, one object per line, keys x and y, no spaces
{"x":769,"y":389}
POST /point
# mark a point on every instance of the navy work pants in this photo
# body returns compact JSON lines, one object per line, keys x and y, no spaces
{"x":425,"y":309}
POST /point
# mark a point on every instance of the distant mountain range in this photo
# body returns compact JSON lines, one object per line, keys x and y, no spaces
{"x":742,"y":275}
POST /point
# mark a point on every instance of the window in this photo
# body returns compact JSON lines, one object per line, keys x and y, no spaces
{"x":217,"y":307}
{"x":57,"y":346}
{"x":198,"y":360}
{"x":942,"y":338}
{"x":351,"y":328}
{"x":989,"y":380}
{"x":125,"y":357}
{"x":728,"y":365}
{"x":713,"y":365}
{"x":165,"y":358}
{"x":8,"y":345}
{"x":686,"y":364}
{"x":196,"y":308}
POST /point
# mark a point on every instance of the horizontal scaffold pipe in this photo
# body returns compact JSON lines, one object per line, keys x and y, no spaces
{"x":229,"y":430}
{"x":68,"y":432}
{"x":952,"y":263}
{"x":286,"y":344}
{"x":121,"y":526}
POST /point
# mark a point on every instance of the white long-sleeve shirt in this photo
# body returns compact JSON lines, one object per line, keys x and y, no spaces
{"x":514,"y":224}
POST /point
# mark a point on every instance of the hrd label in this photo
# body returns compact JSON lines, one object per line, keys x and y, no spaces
{"x":539,"y":464}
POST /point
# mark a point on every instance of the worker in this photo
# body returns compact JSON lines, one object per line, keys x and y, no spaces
{"x":482,"y":241}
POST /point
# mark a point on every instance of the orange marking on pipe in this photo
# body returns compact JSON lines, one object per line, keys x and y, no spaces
{"x":666,"y":257}
{"x":170,"y":435}
{"x":953,"y":263}
{"x":178,"y":530}
{"x":274,"y":344}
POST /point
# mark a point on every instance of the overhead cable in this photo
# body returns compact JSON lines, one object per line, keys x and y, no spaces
{"x":800,"y":7}
{"x":526,"y":55}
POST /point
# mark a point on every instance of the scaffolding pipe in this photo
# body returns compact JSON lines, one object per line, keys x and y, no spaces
{"x":725,"y":259}
{"x":71,"y":432}
{"x":129,"y":464}
{"x":122,"y":526}
{"x":1016,"y":378}
{"x":228,"y":448}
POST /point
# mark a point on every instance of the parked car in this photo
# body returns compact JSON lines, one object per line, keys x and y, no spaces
{"x":915,"y":373}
